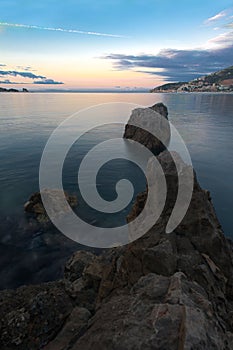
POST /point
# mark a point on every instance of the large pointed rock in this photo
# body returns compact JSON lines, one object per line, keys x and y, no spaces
{"x":152,"y":120}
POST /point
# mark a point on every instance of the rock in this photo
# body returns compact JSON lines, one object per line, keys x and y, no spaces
{"x":168,"y":291}
{"x":160,"y":259}
{"x":83,"y":273}
{"x":153,"y":317}
{"x":150,"y":118}
{"x":31,"y":316}
{"x":163,"y":291}
{"x":75,"y":266}
{"x":161,"y":109}
{"x":138,"y":206}
{"x":92,"y":273}
{"x":76,"y":325}
{"x":35,"y":205}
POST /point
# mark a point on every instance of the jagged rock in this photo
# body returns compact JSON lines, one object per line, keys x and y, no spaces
{"x":160,"y":259}
{"x":75,"y":325}
{"x":188,"y":305}
{"x":31,"y":316}
{"x":75,"y":266}
{"x":137,"y":207}
{"x":148,"y":117}
{"x":92,"y":273}
{"x":158,"y":313}
{"x":83,"y":274}
{"x":35,"y":205}
{"x":163,"y":291}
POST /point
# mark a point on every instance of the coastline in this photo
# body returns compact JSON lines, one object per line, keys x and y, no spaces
{"x":119,"y":92}
{"x":194,"y":92}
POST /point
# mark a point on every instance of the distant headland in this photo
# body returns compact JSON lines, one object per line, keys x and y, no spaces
{"x":221,"y":81}
{"x":13,"y":90}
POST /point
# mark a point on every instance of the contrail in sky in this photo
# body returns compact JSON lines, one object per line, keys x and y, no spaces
{"x":15,"y":25}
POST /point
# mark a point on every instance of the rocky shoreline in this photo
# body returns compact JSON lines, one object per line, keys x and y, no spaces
{"x":163,"y":291}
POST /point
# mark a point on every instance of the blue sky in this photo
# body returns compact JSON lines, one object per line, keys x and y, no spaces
{"x":149,"y":42}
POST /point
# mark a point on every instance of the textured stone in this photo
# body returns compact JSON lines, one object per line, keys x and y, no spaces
{"x":75,"y":266}
{"x":154,"y":119}
{"x":33,"y":315}
{"x":75,"y":325}
{"x":35,"y":205}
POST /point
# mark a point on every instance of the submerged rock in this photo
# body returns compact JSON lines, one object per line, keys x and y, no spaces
{"x":154,"y":119}
{"x":35,"y":205}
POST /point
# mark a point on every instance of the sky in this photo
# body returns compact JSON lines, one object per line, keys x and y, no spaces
{"x":112,"y":44}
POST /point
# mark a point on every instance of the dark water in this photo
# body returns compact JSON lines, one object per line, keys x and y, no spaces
{"x":205,"y":122}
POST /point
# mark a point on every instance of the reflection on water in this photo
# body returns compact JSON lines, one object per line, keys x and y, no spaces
{"x":205,"y":122}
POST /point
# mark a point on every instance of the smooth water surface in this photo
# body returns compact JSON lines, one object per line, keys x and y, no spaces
{"x":205,"y":122}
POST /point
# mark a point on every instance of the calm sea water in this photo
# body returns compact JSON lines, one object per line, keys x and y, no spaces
{"x":205,"y":122}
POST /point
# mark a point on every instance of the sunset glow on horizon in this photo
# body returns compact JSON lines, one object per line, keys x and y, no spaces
{"x":112,"y":44}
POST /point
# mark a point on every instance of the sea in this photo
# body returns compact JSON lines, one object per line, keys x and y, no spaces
{"x":31,"y":254}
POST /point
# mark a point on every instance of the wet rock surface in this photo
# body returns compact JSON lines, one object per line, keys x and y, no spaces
{"x":163,"y":291}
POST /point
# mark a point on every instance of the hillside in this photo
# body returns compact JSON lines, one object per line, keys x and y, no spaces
{"x":221,"y":81}
{"x":168,"y":87}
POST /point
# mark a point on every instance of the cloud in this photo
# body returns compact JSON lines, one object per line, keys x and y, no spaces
{"x":223,"y":40}
{"x":22,"y":74}
{"x":180,"y":65}
{"x":25,"y":68}
{"x":2,"y":65}
{"x":217,"y":17}
{"x":26,"y":74}
{"x":43,"y":82}
{"x":48,"y":82}
{"x":229,"y":25}
{"x":7,"y":81}
{"x":74,"y":31}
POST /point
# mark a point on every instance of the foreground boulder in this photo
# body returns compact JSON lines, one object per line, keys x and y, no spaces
{"x":153,"y":118}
